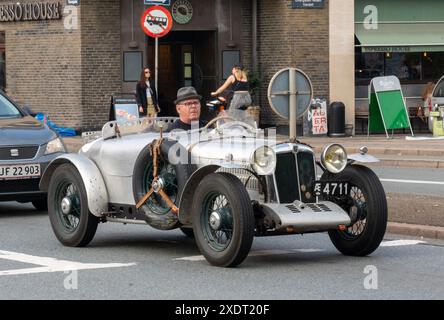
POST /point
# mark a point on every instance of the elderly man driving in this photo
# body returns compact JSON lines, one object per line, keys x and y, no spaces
{"x":188,"y":107}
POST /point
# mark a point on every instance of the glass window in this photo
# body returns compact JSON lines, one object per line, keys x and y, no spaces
{"x":406,"y":66}
{"x":187,"y":58}
{"x":229,"y":59}
{"x":368,"y":66}
{"x":433,"y":65}
{"x":7,"y":109}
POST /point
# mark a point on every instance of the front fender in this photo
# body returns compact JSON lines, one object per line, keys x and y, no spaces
{"x":186,"y":198}
{"x":91,"y":176}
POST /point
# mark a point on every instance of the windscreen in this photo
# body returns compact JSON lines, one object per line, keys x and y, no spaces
{"x":7,"y":109}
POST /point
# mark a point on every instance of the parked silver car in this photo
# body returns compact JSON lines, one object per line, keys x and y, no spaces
{"x":224,"y":188}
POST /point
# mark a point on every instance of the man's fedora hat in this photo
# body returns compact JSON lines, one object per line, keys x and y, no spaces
{"x":186,"y":93}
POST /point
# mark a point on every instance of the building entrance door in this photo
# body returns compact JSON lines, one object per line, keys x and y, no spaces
{"x":186,"y":58}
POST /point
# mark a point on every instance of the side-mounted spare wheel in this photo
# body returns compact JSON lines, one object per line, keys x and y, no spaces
{"x":223,"y":219}
{"x":172,"y":177}
{"x":367,"y":207}
{"x":72,"y":222}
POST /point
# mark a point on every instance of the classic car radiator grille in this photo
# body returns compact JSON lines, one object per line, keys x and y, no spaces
{"x":286,"y":177}
{"x":23,"y":153}
{"x":307,"y":175}
{"x":294,"y":182}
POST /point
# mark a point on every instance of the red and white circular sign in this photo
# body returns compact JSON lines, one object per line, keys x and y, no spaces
{"x":156,"y":21}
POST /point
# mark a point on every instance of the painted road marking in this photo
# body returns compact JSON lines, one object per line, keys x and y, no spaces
{"x":399,"y":243}
{"x":391,"y":243}
{"x":413,"y":181}
{"x":439,"y":183}
{"x":256,"y":254}
{"x":47,"y":264}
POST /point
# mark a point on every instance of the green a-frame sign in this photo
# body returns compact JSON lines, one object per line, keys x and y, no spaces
{"x":387,"y":109}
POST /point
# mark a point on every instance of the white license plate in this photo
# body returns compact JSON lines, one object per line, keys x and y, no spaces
{"x":331,"y":188}
{"x":23,"y":171}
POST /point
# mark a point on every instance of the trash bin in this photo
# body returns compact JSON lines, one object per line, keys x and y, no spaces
{"x":336,"y":119}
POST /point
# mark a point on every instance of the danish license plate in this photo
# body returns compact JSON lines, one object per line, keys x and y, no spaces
{"x":331,"y":188}
{"x":24,"y":171}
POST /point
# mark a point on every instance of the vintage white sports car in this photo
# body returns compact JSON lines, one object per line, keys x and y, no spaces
{"x":222,"y":185}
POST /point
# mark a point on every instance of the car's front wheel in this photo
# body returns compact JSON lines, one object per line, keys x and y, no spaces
{"x":72,"y":222}
{"x":223,"y":220}
{"x":367,"y":207}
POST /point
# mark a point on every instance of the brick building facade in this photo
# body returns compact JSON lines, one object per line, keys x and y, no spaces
{"x":71,"y":74}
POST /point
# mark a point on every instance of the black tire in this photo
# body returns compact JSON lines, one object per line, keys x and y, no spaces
{"x":237,"y":215}
{"x":161,"y":219}
{"x":188,"y":232}
{"x":78,"y":227}
{"x":40,"y":204}
{"x":365,"y":235}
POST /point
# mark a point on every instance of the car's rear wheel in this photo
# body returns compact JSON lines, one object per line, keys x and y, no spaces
{"x":367,"y":207}
{"x":72,"y":222}
{"x":223,"y":219}
{"x":40,"y":204}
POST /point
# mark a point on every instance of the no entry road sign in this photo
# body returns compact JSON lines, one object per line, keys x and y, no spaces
{"x":156,"y":21}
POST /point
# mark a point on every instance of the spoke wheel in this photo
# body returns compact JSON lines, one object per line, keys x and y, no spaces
{"x":223,"y":219}
{"x":367,"y":207}
{"x":68,"y":211}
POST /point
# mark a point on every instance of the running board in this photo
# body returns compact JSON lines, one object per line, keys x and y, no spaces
{"x":301,"y":217}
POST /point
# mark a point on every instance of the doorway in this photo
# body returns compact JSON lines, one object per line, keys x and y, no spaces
{"x":186,"y":58}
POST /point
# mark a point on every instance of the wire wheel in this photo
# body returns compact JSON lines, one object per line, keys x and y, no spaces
{"x":167,"y":174}
{"x":67,"y":205}
{"x":217,"y":221}
{"x":367,"y":208}
{"x":360,"y":203}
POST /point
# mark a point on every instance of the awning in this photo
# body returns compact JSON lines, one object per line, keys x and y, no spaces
{"x":401,"y":37}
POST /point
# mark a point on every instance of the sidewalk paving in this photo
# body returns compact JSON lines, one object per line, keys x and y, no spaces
{"x":408,"y":214}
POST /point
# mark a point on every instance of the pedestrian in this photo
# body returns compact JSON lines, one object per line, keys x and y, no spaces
{"x":146,"y":95}
{"x":427,"y":99}
{"x":238,"y":80}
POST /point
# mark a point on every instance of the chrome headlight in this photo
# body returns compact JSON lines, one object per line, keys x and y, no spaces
{"x":334,"y":158}
{"x":263,"y":161}
{"x":54,"y":146}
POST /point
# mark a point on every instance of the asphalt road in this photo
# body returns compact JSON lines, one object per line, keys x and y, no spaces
{"x":167,"y":265}
{"x":424,"y":181}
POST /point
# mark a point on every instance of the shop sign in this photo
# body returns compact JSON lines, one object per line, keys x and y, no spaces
{"x":30,"y":11}
{"x":156,"y":21}
{"x":308,"y":4}
{"x":386,"y":49}
{"x":182,"y":11}
{"x":157,"y":2}
{"x":72,"y":2}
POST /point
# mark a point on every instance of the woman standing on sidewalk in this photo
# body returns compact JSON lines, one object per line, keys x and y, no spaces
{"x":427,"y":99}
{"x":146,"y":95}
{"x":238,"y":80}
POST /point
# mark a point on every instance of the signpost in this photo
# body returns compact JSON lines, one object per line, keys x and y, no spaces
{"x":290,"y":93}
{"x":308,"y":4}
{"x":387,"y":109}
{"x":156,"y":22}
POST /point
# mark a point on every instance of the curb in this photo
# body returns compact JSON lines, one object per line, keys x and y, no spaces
{"x":416,"y":230}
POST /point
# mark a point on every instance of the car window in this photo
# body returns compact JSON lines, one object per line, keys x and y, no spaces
{"x":439,"y":90}
{"x":7,"y":109}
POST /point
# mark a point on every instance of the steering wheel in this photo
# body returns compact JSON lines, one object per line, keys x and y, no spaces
{"x":237,"y":123}
{"x":211,"y":122}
